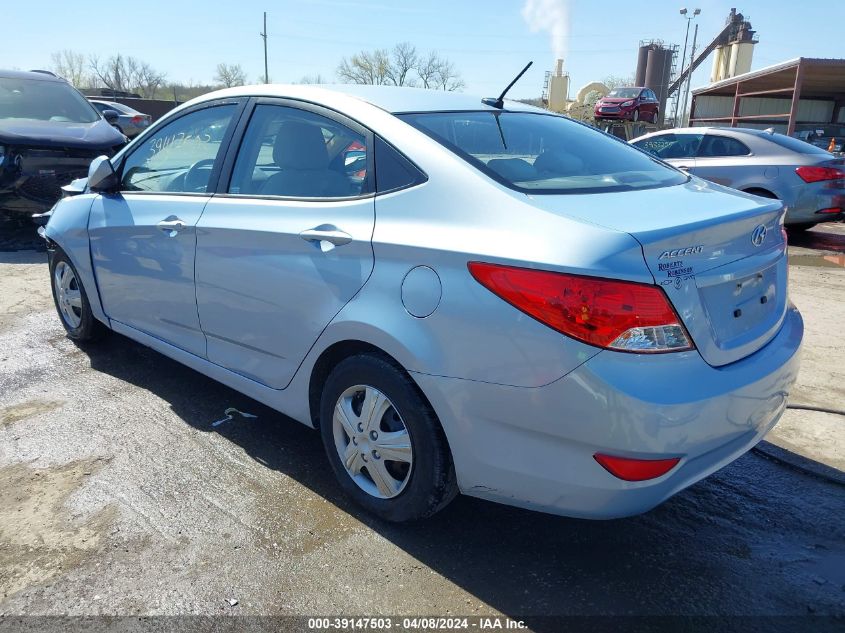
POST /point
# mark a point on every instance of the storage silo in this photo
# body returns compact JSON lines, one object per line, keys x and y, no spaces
{"x":658,"y":71}
{"x":642,"y":63}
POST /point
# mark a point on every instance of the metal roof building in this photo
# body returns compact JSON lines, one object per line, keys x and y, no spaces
{"x":801,"y":90}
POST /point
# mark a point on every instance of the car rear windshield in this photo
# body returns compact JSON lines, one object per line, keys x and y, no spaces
{"x":544,"y":153}
{"x":794,"y":144}
{"x":43,"y":100}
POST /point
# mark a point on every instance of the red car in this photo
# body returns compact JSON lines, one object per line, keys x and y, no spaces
{"x":631,"y":104}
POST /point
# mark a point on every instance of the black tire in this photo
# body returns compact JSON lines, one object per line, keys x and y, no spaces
{"x":431,"y":483}
{"x":655,"y":117}
{"x":636,"y":116}
{"x":89,"y":328}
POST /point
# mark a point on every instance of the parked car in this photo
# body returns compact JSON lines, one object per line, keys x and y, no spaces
{"x":49,"y":134}
{"x":508,"y":303}
{"x":130,"y":122}
{"x":631,"y":104}
{"x":827,"y":137}
{"x":807,"y":179}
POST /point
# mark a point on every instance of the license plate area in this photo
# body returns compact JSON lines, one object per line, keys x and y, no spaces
{"x":743,"y":305}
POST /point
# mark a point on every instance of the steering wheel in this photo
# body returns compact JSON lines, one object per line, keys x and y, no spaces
{"x":196,"y":178}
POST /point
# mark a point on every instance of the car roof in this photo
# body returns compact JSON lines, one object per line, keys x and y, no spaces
{"x":394,"y":99}
{"x":23,"y":74}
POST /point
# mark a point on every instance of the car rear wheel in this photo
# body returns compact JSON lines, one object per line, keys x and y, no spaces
{"x":71,"y":300}
{"x":655,"y":116}
{"x":383,"y":441}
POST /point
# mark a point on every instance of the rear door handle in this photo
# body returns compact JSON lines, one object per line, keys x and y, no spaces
{"x":326,"y":236}
{"x":684,"y":167}
{"x":171,"y":225}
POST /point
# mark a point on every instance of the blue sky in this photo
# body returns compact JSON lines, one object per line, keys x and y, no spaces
{"x":488,"y":40}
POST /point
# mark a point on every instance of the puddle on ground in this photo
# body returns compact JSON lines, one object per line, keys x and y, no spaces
{"x":39,"y":539}
{"x":820,"y":261}
{"x":18,"y":412}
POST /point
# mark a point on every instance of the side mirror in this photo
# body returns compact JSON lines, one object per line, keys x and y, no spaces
{"x":111,"y":116}
{"x":101,"y":175}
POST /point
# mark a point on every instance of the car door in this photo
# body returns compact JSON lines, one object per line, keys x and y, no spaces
{"x":287,"y":242}
{"x":143,"y":238}
{"x":720,"y":159}
{"x":677,"y":149}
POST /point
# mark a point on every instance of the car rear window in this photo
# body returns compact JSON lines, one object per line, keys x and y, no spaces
{"x":544,"y":153}
{"x":43,"y":100}
{"x":794,"y":144}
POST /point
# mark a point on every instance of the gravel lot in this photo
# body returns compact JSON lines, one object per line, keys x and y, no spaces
{"x":118,"y":496}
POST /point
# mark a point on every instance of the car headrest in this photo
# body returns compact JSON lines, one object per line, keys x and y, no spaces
{"x":300,"y":146}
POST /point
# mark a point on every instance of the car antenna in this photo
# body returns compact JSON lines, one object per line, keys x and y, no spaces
{"x":500,"y":102}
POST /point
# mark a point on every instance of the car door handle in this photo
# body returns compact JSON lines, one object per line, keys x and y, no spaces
{"x":326,"y":236}
{"x":684,"y":167}
{"x":171,"y":225}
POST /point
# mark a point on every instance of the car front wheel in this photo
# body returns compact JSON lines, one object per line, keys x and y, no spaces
{"x":636,"y":115}
{"x":383,"y":441}
{"x":71,"y":300}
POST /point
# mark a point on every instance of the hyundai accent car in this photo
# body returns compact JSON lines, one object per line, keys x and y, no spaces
{"x":630,"y":104}
{"x":506,"y":303}
{"x":49,"y":134}
{"x":807,"y":179}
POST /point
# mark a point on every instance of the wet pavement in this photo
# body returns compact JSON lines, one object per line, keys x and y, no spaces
{"x":118,"y":495}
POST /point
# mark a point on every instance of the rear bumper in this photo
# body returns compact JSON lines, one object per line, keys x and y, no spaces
{"x":811,"y":198}
{"x":534,"y":447}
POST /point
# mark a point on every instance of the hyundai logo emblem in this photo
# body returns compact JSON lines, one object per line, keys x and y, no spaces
{"x":758,"y":236}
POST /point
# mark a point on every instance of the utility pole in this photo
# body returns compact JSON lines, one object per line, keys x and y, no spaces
{"x":689,"y":76}
{"x":689,"y":18}
{"x":263,"y":34}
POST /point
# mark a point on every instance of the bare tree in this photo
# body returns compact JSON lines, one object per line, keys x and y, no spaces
{"x":617,"y":81}
{"x":402,"y":66}
{"x":127,"y":74}
{"x":366,"y":67}
{"x":312,"y":79}
{"x":447,"y":77}
{"x":403,"y":60}
{"x":149,"y":80}
{"x":230,"y":75}
{"x":70,"y":65}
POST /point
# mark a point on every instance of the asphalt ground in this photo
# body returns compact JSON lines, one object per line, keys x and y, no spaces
{"x":120,"y":496}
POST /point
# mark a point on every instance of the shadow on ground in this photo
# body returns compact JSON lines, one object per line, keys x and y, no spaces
{"x":754,"y":538}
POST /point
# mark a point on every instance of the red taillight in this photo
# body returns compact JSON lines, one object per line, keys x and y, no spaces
{"x":619,"y":315}
{"x":818,"y":174}
{"x":636,"y":469}
{"x":830,"y":210}
{"x":138,"y":119}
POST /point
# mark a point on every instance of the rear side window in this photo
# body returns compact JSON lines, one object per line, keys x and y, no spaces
{"x":394,"y":171}
{"x":543,"y":153}
{"x":794,"y":144}
{"x":667,"y":146}
{"x":713,"y":146}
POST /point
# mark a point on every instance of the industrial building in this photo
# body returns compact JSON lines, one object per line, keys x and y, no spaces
{"x":792,"y":93}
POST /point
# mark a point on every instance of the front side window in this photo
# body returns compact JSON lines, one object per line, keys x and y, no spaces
{"x":541,"y":153}
{"x":299,"y":154}
{"x":180,"y":156}
{"x":713,"y":146}
{"x":44,"y":100}
{"x":668,"y":146}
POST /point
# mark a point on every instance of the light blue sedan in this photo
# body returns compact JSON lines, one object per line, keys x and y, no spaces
{"x":460,"y":297}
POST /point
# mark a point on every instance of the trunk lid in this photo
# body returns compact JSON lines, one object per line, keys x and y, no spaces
{"x":719,"y":254}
